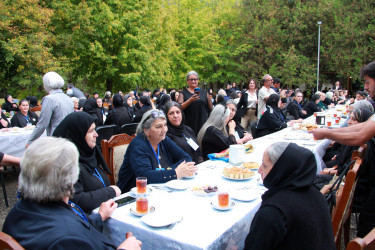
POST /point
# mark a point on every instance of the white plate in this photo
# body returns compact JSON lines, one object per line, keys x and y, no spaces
{"x":133,"y":210}
{"x":215,"y":205}
{"x":160,"y":219}
{"x":190,"y":177}
{"x":133,"y":191}
{"x":244,"y":195}
{"x":177,"y":184}
{"x":244,"y":179}
{"x":202,"y":193}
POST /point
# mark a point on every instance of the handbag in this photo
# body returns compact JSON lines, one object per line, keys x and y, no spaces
{"x":331,"y":195}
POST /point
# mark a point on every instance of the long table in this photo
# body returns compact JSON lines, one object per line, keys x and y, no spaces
{"x":14,"y":141}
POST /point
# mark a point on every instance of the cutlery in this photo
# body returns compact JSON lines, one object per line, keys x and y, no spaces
{"x":174,"y":223}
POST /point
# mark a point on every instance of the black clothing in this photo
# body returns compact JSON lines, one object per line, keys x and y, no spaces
{"x":242,"y":104}
{"x":311,"y":107}
{"x":196,"y":113}
{"x":139,"y":113}
{"x":33,"y":101}
{"x":7,"y":106}
{"x":19,"y":120}
{"x":118,"y":115}
{"x":91,"y":107}
{"x":294,"y":109}
{"x":90,"y":191}
{"x":3,"y":116}
{"x":214,"y":141}
{"x":293,"y":213}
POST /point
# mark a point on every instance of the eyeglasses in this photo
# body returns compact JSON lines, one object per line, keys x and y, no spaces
{"x":193,"y":79}
{"x":155,"y":114}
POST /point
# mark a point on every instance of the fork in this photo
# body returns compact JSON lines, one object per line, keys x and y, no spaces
{"x":174,"y":223}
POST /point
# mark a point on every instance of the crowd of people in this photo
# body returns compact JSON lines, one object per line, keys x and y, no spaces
{"x":64,"y":174}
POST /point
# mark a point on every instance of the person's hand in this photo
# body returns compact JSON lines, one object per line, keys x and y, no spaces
{"x":232,"y":124}
{"x":320,"y":133}
{"x":304,"y":112}
{"x":106,"y":209}
{"x":194,"y":97}
{"x":130,"y":243}
{"x":334,"y":157}
{"x":247,"y":137}
{"x":117,"y":189}
{"x":185,"y":169}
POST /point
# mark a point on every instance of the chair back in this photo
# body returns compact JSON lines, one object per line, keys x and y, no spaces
{"x":129,"y":128}
{"x":104,"y":133}
{"x":366,"y":243}
{"x":36,"y":110}
{"x":360,"y":152}
{"x":342,"y":212}
{"x":113,"y":151}
{"x":8,"y":242}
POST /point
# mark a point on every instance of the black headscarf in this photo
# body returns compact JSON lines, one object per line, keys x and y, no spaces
{"x":173,"y":97}
{"x":179,"y":130}
{"x":91,"y":107}
{"x":295,"y":169}
{"x":145,"y":100}
{"x":362,"y":114}
{"x":273,"y":101}
{"x":74,"y":127}
{"x":117,"y":101}
{"x":164,"y":99}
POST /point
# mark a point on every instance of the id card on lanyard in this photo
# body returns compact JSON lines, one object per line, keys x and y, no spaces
{"x":192,"y":143}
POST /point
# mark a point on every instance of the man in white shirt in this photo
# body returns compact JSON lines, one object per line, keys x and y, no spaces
{"x":264,"y":93}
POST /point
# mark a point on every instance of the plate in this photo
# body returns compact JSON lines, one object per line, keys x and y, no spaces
{"x":160,"y":219}
{"x":177,"y":184}
{"x":199,"y":191}
{"x":133,"y":191}
{"x":216,"y":206}
{"x":134,"y":211}
{"x":234,"y":179}
{"x":244,"y":195}
{"x":191,"y":177}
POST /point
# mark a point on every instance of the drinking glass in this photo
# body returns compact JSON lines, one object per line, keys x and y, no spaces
{"x":141,"y":185}
{"x":223,"y":199}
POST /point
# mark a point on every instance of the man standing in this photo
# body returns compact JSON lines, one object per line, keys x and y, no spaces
{"x":264,"y":93}
{"x":276,"y":85}
{"x":357,"y":135}
{"x":337,"y":86}
{"x":74,"y":92}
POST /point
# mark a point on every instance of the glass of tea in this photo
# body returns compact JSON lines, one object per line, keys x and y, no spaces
{"x":142,"y":204}
{"x":329,"y":124}
{"x":223,"y":199}
{"x":141,"y":185}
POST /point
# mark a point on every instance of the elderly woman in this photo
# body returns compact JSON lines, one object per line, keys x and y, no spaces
{"x":312,"y":105}
{"x":153,"y":155}
{"x":196,"y":104}
{"x":294,"y":108}
{"x":92,"y":187}
{"x":272,"y":119}
{"x":247,"y":105}
{"x":9,"y":105}
{"x":43,"y":217}
{"x":55,"y":106}
{"x":292,"y":213}
{"x":240,"y":133}
{"x":118,"y":115}
{"x":24,"y":117}
{"x":213,"y":136}
{"x":181,"y":134}
{"x":75,"y":101}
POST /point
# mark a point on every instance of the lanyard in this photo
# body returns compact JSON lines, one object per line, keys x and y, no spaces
{"x":156,"y":155}
{"x":97,"y":175}
{"x":26,"y":118}
{"x":78,"y":212}
{"x":298,"y":104}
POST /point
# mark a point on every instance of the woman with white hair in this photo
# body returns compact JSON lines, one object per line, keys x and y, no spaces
{"x":213,"y":136}
{"x":195,"y":103}
{"x":44,"y":218}
{"x":55,"y":106}
{"x":153,"y":155}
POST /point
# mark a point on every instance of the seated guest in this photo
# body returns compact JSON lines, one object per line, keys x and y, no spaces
{"x":312,"y":105}
{"x":9,"y":105}
{"x":240,"y":133}
{"x":174,"y":96}
{"x":153,"y":155}
{"x":91,"y":107}
{"x":181,"y":134}
{"x":118,"y":115}
{"x":4,"y":123}
{"x":43,"y":217}
{"x":92,"y":187}
{"x":292,"y":213}
{"x":128,"y":104}
{"x":102,"y":110}
{"x":24,"y":117}
{"x":294,"y":108}
{"x":164,"y":98}
{"x":75,"y":101}
{"x":213,"y":136}
{"x":272,"y":119}
{"x":145,"y":105}
{"x":33,"y":101}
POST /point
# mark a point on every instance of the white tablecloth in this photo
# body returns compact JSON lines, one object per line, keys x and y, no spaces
{"x":13,"y":143}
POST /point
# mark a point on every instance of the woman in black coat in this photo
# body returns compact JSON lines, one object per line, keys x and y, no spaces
{"x":145,"y":105}
{"x":312,"y":106}
{"x":91,"y":107}
{"x":24,"y":117}
{"x":93,"y":186}
{"x":9,"y":105}
{"x":295,"y":109}
{"x":118,"y":115}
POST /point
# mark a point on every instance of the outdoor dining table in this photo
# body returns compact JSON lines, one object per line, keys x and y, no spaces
{"x":14,"y":140}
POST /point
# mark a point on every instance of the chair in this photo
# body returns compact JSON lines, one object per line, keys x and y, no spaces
{"x":104,"y":133}
{"x":36,"y":110}
{"x":366,"y":243}
{"x":253,"y":128}
{"x":129,"y":128}
{"x":342,"y":212}
{"x":8,"y":242}
{"x":113,"y":152}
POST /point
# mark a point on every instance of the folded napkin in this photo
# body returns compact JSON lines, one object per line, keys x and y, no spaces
{"x":224,"y":155}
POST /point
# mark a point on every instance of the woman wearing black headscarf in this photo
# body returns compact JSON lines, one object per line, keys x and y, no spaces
{"x":128,"y":104}
{"x":145,"y":105}
{"x":312,"y":105}
{"x":91,"y":107}
{"x":272,"y":120}
{"x":292,"y":213}
{"x":93,"y":186}
{"x":118,"y":115}
{"x":181,"y":134}
{"x":163,"y":100}
{"x":9,"y":105}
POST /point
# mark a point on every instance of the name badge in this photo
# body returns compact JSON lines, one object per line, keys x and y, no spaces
{"x":192,"y":144}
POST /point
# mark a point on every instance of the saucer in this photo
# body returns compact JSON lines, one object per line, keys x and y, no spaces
{"x":134,"y":211}
{"x":215,"y":205}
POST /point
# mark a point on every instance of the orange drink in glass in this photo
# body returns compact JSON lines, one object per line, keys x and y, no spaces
{"x":223,"y":199}
{"x":142,"y":205}
{"x":141,"y":185}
